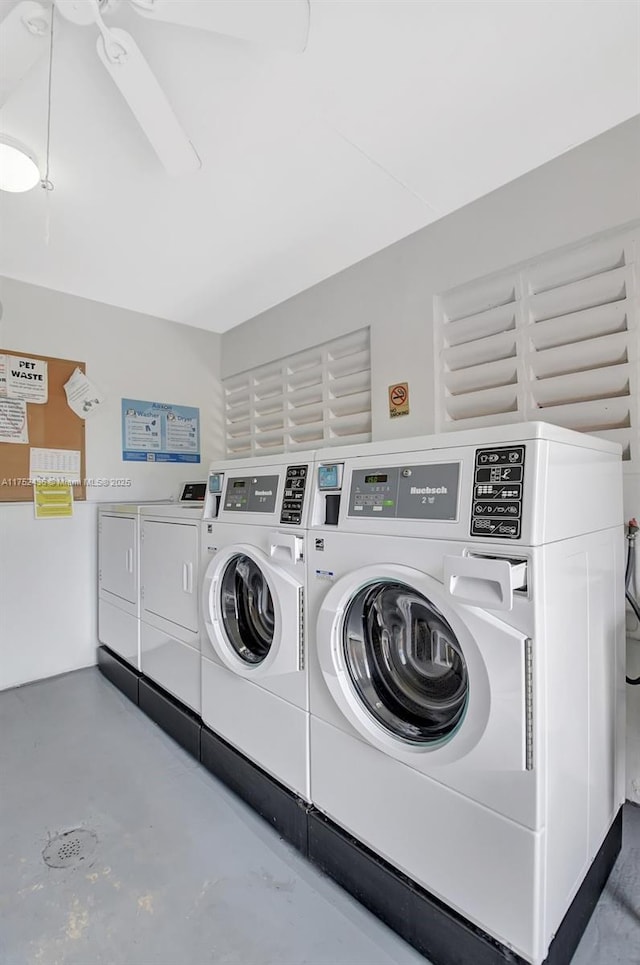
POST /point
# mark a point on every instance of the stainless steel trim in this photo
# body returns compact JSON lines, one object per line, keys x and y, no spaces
{"x":528,"y":696}
{"x":301,"y":640}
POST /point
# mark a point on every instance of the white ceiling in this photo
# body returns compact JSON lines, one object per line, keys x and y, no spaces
{"x":397,"y":113}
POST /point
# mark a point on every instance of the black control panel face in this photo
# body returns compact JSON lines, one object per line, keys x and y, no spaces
{"x":293,"y":497}
{"x":193,"y":492}
{"x":498,"y":480}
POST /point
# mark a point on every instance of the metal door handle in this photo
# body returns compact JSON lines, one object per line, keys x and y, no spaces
{"x":285,"y":546}
{"x":187,"y":577}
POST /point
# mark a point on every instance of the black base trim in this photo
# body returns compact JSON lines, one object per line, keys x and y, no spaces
{"x":286,"y":812}
{"x":121,"y":674}
{"x":438,"y":932}
{"x":435,"y":930}
{"x":575,"y":921}
{"x":171,"y":715}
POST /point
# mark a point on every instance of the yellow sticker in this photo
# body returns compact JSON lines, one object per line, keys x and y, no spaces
{"x":52,"y":500}
{"x":398,"y":399}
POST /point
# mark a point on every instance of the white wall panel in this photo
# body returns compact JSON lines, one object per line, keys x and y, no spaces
{"x":48,"y":595}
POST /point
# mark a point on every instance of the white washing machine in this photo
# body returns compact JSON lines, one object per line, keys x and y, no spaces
{"x":466,"y":614}
{"x":169,"y":596}
{"x":254,"y":676}
{"x":119,"y":571}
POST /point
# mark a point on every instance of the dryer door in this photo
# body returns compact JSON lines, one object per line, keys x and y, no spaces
{"x":416,"y":676}
{"x":118,"y":568}
{"x":253,"y":613}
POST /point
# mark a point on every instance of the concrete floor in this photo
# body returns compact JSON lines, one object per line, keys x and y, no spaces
{"x":183,"y":872}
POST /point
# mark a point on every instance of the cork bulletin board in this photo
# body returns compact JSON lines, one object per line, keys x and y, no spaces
{"x":50,"y":425}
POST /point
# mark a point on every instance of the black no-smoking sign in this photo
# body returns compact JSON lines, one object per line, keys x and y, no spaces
{"x":398,"y":399}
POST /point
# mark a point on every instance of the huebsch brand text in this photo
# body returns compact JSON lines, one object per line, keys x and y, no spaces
{"x":429,"y":490}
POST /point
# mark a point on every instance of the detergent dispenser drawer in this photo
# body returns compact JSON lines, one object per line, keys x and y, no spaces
{"x":485,"y":581}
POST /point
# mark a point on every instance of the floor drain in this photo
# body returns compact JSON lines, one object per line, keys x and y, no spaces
{"x":70,"y":849}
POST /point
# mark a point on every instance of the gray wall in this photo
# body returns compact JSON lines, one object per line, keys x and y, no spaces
{"x":590,"y":189}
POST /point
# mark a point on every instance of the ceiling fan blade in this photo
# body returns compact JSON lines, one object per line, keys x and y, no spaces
{"x":24,"y":34}
{"x":138,"y":85}
{"x":277,"y":23}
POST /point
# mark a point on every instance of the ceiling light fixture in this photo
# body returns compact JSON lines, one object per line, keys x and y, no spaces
{"x":18,"y":167}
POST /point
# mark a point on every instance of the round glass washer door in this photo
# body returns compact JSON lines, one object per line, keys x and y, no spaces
{"x":247,"y":609}
{"x":405,"y":663}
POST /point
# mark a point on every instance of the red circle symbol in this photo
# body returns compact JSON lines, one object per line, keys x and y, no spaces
{"x":398,"y":395}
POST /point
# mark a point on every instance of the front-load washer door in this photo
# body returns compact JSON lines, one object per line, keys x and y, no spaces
{"x":405,"y":662}
{"x":253,"y":613}
{"x":414,"y":675}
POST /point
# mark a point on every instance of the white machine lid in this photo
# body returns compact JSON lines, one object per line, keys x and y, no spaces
{"x":252,"y":463}
{"x":518,"y":432}
{"x":133,"y":508}
{"x":191,"y":495}
{"x":180,"y":511}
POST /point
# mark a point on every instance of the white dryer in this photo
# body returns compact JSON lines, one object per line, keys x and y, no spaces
{"x":254,"y":676}
{"x":169,"y":596}
{"x":466,"y":665}
{"x":119,"y":571}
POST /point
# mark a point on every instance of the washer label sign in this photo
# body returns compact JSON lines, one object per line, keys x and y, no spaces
{"x":325,"y":575}
{"x":496,"y":509}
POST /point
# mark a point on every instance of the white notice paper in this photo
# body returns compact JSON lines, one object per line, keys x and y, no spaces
{"x":50,"y":464}
{"x":13,"y":421}
{"x":27,"y":379}
{"x":3,"y":376}
{"x":82,"y":395}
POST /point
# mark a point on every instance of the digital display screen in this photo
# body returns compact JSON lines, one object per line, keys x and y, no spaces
{"x":381,"y":477}
{"x":194,"y":492}
{"x":327,"y":477}
{"x":239,"y":483}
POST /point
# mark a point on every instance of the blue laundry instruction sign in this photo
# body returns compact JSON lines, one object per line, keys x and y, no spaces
{"x":159,"y":432}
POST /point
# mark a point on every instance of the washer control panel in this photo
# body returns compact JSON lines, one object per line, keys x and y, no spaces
{"x":251,"y":494}
{"x":406,"y":492}
{"x":498,"y":481}
{"x":293,"y":497}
